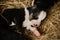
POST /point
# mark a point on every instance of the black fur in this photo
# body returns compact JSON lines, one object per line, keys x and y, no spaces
{"x":44,"y":4}
{"x":6,"y":33}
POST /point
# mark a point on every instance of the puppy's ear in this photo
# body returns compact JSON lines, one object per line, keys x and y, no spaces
{"x":42,"y":15}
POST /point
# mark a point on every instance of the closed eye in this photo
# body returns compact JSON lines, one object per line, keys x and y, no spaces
{"x":35,"y":18}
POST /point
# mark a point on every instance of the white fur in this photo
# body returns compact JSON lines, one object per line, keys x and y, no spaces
{"x":42,"y":15}
{"x":12,"y":24}
{"x":27,"y":22}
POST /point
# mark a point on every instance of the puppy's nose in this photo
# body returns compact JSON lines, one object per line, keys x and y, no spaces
{"x":34,"y":23}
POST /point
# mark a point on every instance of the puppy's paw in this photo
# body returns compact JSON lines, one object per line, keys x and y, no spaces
{"x":27,"y":24}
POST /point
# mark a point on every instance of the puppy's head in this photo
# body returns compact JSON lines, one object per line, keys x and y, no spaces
{"x":33,"y":20}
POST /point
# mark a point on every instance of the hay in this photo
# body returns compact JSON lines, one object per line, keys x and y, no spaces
{"x":8,"y":4}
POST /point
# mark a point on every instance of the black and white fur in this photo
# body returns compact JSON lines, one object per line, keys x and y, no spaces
{"x":28,"y":24}
{"x":16,"y":17}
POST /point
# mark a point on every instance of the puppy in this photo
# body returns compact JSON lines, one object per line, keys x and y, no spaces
{"x":29,"y":18}
{"x":37,"y":14}
{"x":33,"y":20}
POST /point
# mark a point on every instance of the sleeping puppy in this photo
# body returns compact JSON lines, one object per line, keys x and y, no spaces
{"x":36,"y":14}
{"x":29,"y":18}
{"x":33,"y":20}
{"x":24,"y":18}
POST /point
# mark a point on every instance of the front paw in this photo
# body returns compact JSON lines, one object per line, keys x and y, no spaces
{"x":27,"y":24}
{"x":24,"y":24}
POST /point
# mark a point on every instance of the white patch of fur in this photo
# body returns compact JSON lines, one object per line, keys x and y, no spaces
{"x":26,"y":14}
{"x":12,"y":24}
{"x":42,"y":15}
{"x":27,"y":22}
